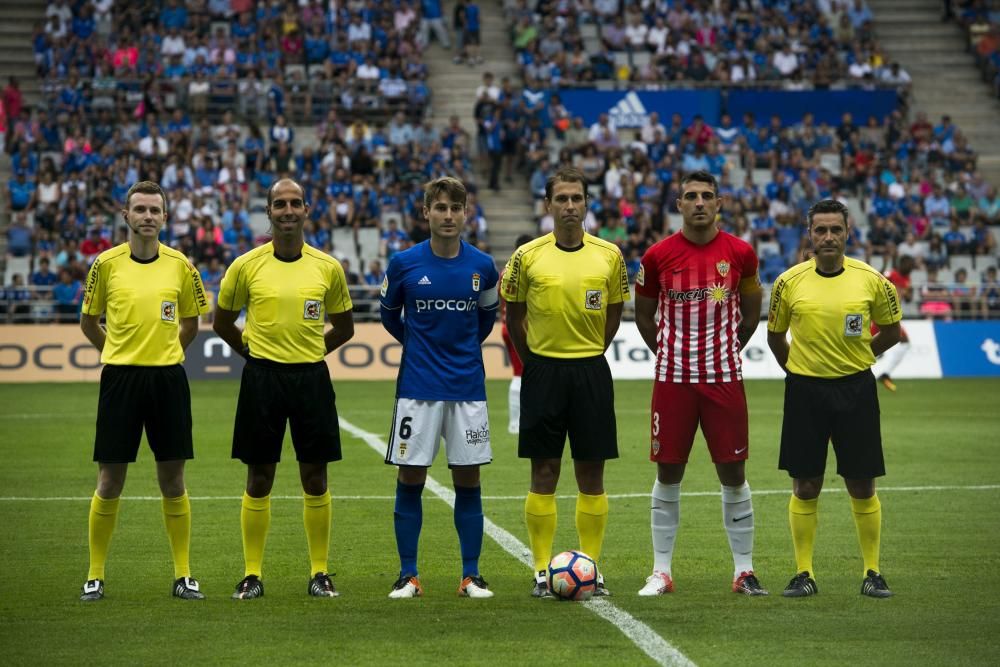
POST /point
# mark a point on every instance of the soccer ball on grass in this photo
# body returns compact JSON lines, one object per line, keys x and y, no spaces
{"x":572,"y":576}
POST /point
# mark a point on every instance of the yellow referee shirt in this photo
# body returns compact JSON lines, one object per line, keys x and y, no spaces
{"x":830,"y":316}
{"x":287,"y":302}
{"x":567,"y":292}
{"x":144,"y":301}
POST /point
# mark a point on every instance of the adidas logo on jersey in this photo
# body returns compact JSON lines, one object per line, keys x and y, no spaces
{"x":424,"y":281}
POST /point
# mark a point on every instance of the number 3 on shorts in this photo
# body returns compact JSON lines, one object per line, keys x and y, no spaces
{"x":656,"y":424}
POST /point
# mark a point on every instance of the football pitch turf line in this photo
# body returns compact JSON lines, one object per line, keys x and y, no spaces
{"x":450,"y":500}
{"x":640,"y":634}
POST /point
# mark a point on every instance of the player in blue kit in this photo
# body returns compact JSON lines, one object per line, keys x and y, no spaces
{"x":439,"y":299}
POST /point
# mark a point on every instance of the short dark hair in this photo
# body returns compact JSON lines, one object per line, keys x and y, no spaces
{"x":447,"y":185}
{"x":700,"y":177}
{"x":270,"y":190}
{"x":146,"y":188}
{"x":827,"y":206}
{"x":566,"y":175}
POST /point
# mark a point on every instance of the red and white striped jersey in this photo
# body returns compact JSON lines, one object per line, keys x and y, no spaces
{"x":698,"y":313}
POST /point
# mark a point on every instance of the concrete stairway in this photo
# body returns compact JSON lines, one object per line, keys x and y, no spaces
{"x":508,"y":212}
{"x":17,"y":18}
{"x":945,"y":78}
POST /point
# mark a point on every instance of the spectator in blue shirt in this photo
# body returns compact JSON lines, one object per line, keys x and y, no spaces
{"x":20,"y":191}
{"x":44,"y":277}
{"x":17,"y":299}
{"x":433,"y":20}
{"x":174,"y":15}
{"x":67,"y":294}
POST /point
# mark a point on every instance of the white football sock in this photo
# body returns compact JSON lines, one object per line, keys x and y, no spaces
{"x":737,"y":517}
{"x":514,"y":404}
{"x":892,"y":357}
{"x":665,"y":516}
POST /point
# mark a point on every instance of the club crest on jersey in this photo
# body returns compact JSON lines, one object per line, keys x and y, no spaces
{"x":723,"y":268}
{"x":475,"y":282}
{"x":311,"y":310}
{"x":853,"y":324}
{"x":594,"y":299}
{"x":168,"y":311}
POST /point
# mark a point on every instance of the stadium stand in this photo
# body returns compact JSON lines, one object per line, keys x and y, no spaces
{"x":217,"y":98}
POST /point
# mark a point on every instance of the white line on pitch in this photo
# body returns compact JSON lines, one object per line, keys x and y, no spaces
{"x":643,"y":636}
{"x":686,"y":494}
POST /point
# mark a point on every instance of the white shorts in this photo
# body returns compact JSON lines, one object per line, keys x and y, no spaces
{"x":419,"y":426}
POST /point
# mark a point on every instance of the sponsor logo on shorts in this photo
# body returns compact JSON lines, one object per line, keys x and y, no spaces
{"x":656,"y":446}
{"x":312,"y":309}
{"x":477,"y":436}
{"x":594,"y":299}
{"x":722,"y":267}
{"x":168,"y":311}
{"x":854,"y":324}
{"x":385,"y":285}
{"x":475,"y":282}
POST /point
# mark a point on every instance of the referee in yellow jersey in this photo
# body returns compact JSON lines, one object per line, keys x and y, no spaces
{"x":830,"y":302}
{"x":152,"y":297}
{"x":565,"y":293}
{"x":288,"y":289}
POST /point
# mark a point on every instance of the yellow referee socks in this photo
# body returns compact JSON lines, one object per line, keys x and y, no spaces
{"x":100,"y":526}
{"x":591,"y":520}
{"x":316,"y":513}
{"x":255,"y":520}
{"x":803,"y":519}
{"x":177,"y":519}
{"x":540,"y":515}
{"x":868,"y":521}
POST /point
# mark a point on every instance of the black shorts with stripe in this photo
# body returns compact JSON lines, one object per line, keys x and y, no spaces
{"x":844,"y":410}
{"x":272,"y":395}
{"x":133,"y":398}
{"x":561,"y":397}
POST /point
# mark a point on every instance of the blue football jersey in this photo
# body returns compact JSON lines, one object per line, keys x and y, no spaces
{"x":448,"y":307}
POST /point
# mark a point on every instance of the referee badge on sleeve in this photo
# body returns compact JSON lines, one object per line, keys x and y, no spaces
{"x":168,"y":311}
{"x":854,"y":324}
{"x":311,"y":310}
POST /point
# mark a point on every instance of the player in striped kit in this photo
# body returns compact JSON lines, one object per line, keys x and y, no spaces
{"x":702,"y":284}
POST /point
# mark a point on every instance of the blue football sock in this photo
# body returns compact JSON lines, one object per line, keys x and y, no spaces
{"x":469,"y":524}
{"x":408,"y":519}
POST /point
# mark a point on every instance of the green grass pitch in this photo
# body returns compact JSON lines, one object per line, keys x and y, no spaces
{"x":939,"y":549}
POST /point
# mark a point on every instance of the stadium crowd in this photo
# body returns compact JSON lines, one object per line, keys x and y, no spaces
{"x":916,"y":183}
{"x":205,"y":97}
{"x":982,"y":27}
{"x":133,"y":91}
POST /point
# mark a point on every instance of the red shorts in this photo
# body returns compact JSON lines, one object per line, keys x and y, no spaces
{"x":678,"y":409}
{"x":515,"y":361}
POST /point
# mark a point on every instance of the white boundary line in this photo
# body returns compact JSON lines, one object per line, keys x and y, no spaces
{"x":643,"y":636}
{"x":686,"y":494}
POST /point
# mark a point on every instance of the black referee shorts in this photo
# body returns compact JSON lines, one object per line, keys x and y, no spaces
{"x":133,"y":397}
{"x":567,"y":396}
{"x":844,"y":410}
{"x":272,"y":394}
